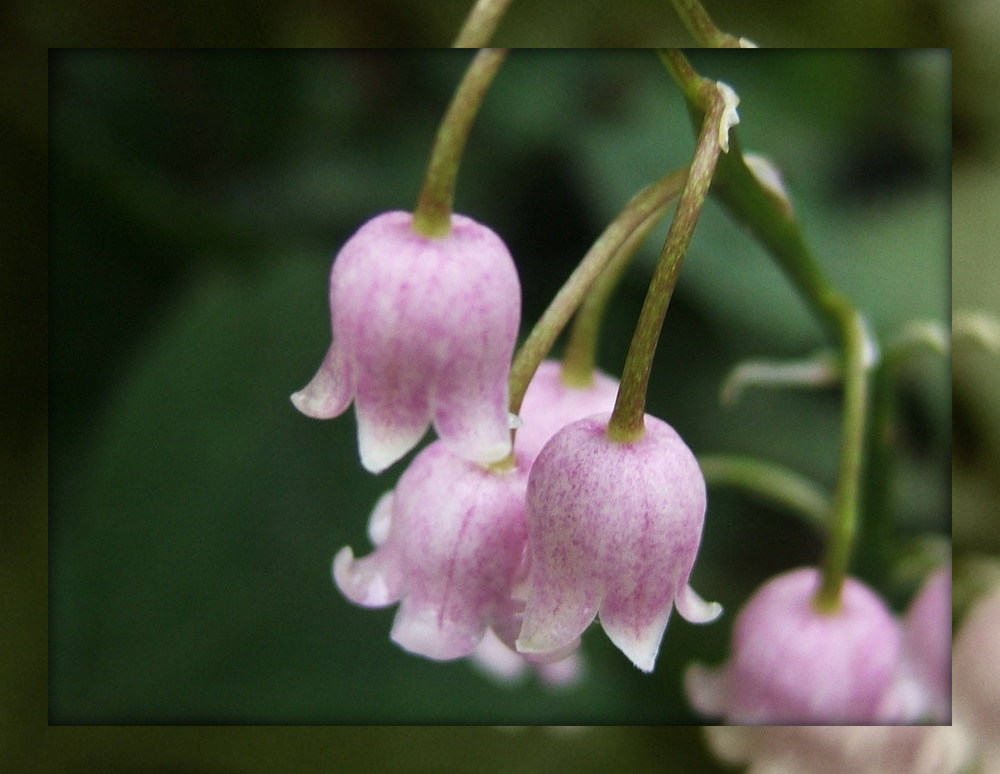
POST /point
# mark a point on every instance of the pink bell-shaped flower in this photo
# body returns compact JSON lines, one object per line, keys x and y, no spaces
{"x":423,"y":329}
{"x":449,"y":543}
{"x":550,"y":404}
{"x":613,"y":529}
{"x":792,"y":663}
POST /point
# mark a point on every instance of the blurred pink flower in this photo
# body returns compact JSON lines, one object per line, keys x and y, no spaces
{"x":423,"y":329}
{"x":791,"y":663}
{"x":922,"y":686}
{"x":613,"y":528}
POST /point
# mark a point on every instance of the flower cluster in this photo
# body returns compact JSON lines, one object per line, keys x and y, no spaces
{"x":491,"y":551}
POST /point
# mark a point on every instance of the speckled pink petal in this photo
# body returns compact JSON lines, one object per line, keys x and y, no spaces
{"x":613,"y":532}
{"x":550,"y":404}
{"x":470,"y":413}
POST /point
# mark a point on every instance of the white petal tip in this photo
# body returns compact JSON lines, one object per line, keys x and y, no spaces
{"x":376,"y":456}
{"x":694,"y":608}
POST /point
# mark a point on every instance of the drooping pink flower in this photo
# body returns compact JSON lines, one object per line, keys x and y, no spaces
{"x":613,"y":530}
{"x":449,"y":543}
{"x":792,"y":663}
{"x":423,"y":330}
{"x":550,"y":404}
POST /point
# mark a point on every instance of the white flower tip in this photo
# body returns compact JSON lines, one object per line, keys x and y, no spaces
{"x":381,"y":446}
{"x":641,"y":651}
{"x":310,"y":404}
{"x":729,"y":115}
{"x":747,"y":43}
{"x":514,"y":421}
{"x":694,"y":608}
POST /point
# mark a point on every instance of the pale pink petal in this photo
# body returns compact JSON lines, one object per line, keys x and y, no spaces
{"x":390,"y":423}
{"x":381,"y":520}
{"x":363,"y":581}
{"x":792,"y":663}
{"x":420,"y":627}
{"x":331,"y":390}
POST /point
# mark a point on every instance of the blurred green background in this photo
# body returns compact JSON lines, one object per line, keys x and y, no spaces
{"x":197,"y":199}
{"x":32,"y":26}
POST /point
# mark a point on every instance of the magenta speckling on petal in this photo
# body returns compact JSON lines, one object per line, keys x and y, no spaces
{"x":613,"y":530}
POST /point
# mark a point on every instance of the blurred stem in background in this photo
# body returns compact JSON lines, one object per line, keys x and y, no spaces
{"x":481,"y":23}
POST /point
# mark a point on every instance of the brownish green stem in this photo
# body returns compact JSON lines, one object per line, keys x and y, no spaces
{"x":627,"y":420}
{"x":580,"y":355}
{"x":432,"y":215}
{"x":481,"y":23}
{"x":538,"y":343}
{"x":701,"y":26}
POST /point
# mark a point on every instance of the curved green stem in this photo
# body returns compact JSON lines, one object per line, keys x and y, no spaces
{"x":432,"y":215}
{"x":775,"y":482}
{"x":481,"y":23}
{"x":644,"y":205}
{"x":627,"y":419}
{"x":767,"y":214}
{"x":580,"y":355}
{"x":857,"y":349}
